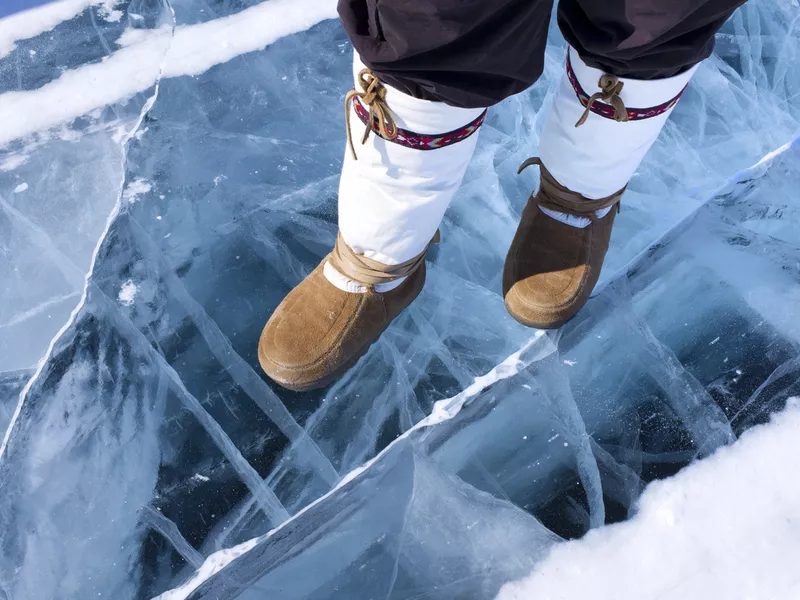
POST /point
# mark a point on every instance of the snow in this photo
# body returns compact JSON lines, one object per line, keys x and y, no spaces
{"x":13,"y":161}
{"x":127,"y":293}
{"x":108,"y":11}
{"x":134,"y":189}
{"x":129,"y":70}
{"x":37,"y":21}
{"x":182,"y":170}
{"x":189,"y":50}
{"x":725,"y":527}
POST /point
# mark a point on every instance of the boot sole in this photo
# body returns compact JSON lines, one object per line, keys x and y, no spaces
{"x":546,"y":325}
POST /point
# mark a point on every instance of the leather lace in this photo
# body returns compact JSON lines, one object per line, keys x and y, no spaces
{"x":610,"y":87}
{"x":373,"y":94}
{"x":369,"y":272}
{"x":554,"y":196}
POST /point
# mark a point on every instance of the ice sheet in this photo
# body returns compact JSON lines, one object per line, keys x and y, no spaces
{"x":147,"y":453}
{"x":523,"y":440}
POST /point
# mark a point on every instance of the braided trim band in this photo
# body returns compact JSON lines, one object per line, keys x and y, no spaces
{"x":420,"y":141}
{"x":608,"y":111}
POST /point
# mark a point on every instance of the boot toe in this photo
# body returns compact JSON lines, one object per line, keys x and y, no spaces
{"x":300,"y":344}
{"x":546,"y":300}
{"x":285,"y":358}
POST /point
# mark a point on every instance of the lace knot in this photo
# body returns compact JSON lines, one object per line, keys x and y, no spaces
{"x":610,"y":88}
{"x":373,"y":94}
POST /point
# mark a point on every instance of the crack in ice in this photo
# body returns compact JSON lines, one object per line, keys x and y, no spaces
{"x":447,"y":409}
{"x":170,"y":531}
{"x":538,"y":347}
{"x":638,"y":260}
{"x":44,"y":244}
{"x":115,"y":211}
{"x":193,"y":49}
{"x":240,"y":370}
{"x":263,"y":494}
{"x":37,"y":310}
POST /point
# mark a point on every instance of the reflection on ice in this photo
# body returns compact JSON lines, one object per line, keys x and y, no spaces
{"x":149,"y":453}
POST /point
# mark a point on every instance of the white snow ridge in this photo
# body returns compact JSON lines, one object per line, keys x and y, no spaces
{"x":134,"y":68}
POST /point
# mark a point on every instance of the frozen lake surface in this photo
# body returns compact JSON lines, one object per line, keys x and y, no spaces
{"x":168,"y":171}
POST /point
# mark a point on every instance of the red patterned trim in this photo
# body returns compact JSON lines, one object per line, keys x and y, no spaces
{"x":607,"y":111}
{"x":421,"y":141}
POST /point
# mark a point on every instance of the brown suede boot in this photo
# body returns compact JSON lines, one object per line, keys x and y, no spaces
{"x":551,"y":267}
{"x":319,"y":331}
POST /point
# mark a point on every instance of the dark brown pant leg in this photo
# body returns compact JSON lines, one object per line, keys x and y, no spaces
{"x":475,"y":53}
{"x":467,"y":53}
{"x":643,"y":39}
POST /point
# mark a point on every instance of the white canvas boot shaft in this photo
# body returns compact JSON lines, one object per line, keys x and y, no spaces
{"x":392,"y":199}
{"x":599,"y":157}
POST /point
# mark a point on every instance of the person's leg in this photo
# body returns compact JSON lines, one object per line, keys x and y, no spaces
{"x":643,"y":39}
{"x":466,"y":53}
{"x":627,"y":65}
{"x":427,"y":69}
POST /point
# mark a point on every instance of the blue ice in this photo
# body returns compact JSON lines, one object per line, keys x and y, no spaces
{"x":150,"y":224}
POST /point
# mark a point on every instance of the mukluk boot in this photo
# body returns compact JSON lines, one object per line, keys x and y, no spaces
{"x":395,"y":187}
{"x":590,"y":147}
{"x":319,"y":331}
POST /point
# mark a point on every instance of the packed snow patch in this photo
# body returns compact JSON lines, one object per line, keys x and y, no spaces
{"x":725,"y":527}
{"x":134,"y":189}
{"x":13,"y":161}
{"x":127,"y":293}
{"x":109,"y":12}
